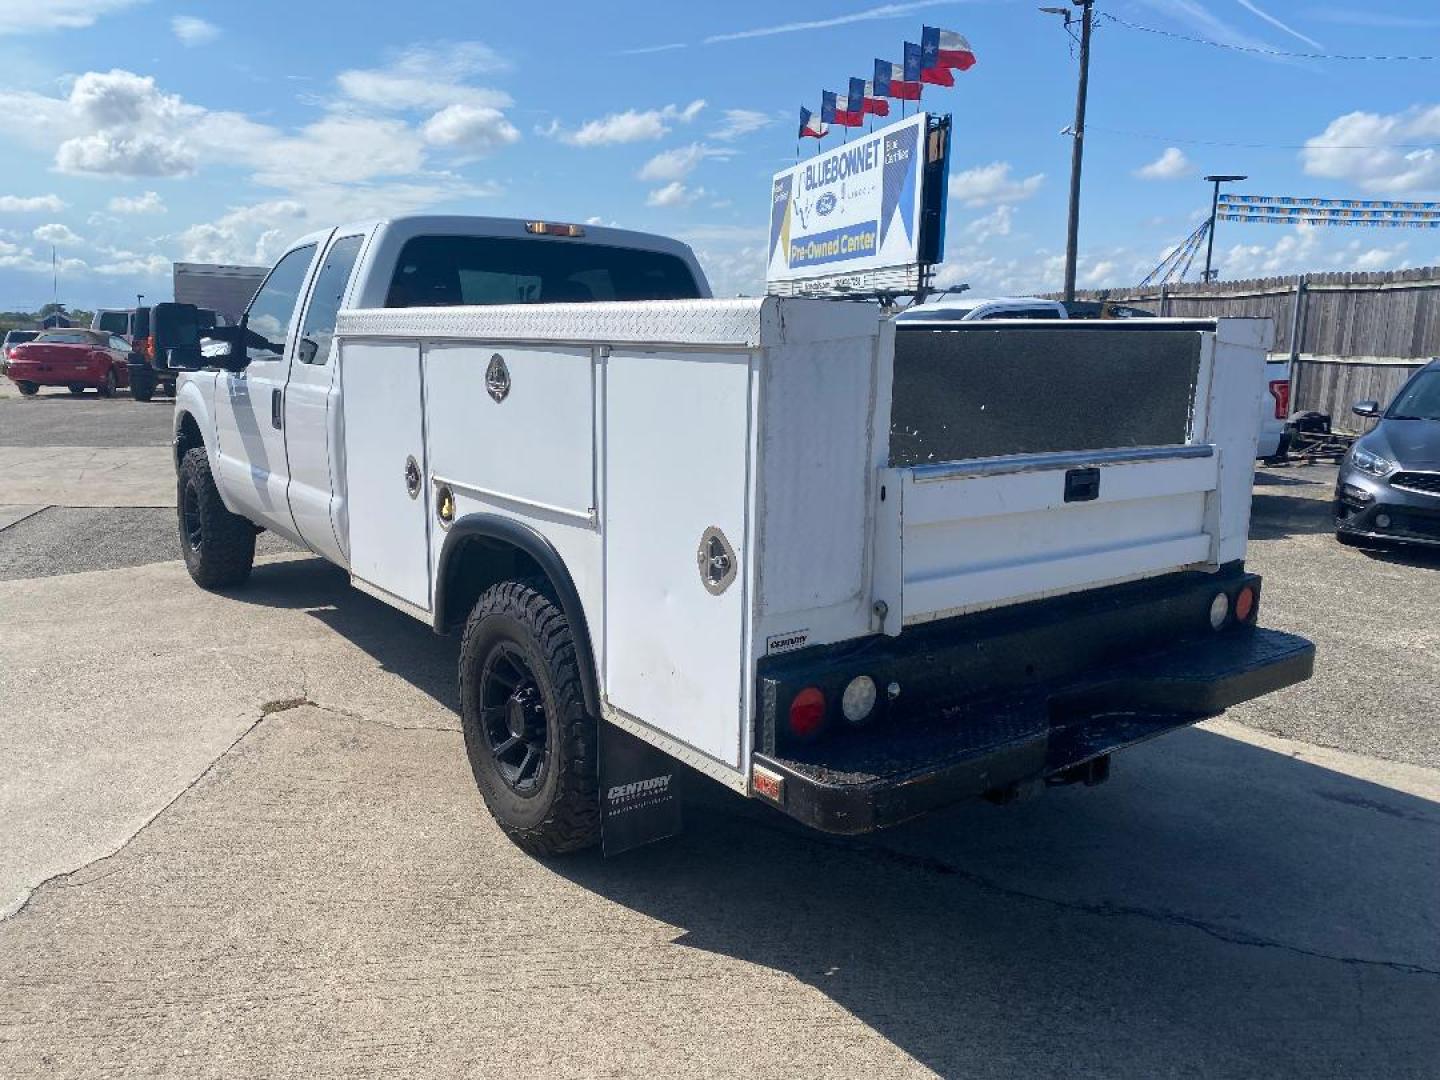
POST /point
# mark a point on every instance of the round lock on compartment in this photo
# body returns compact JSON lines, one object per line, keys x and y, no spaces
{"x":412,"y":476}
{"x":445,"y":505}
{"x":717,"y":562}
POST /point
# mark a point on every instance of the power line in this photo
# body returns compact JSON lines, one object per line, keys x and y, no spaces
{"x":1257,"y":50}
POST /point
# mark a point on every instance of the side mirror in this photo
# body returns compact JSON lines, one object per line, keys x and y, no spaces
{"x":224,"y":347}
{"x":175,"y":335}
{"x":306,"y":350}
{"x":1366,"y":408}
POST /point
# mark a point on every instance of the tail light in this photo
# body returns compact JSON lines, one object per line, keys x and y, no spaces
{"x":147,"y":348}
{"x":1245,"y":604}
{"x":807,"y":713}
{"x":1280,"y":391}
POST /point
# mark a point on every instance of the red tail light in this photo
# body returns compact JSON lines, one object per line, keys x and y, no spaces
{"x":807,"y":713}
{"x":1245,"y":605}
{"x":147,"y":348}
{"x":1280,"y":391}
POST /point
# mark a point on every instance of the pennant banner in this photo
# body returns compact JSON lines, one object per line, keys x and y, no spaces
{"x":1227,"y":199}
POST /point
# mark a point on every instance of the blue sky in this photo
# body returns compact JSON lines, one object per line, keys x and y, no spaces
{"x":137,"y":132}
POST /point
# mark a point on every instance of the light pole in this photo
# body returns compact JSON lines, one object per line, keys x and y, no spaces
{"x":1209,"y":274}
{"x":1077,"y":147}
{"x":139,"y":299}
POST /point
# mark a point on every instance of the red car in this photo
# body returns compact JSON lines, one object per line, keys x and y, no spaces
{"x":74,"y":359}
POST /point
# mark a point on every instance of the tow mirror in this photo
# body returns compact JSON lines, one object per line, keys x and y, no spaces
{"x":1366,"y":408}
{"x":175,"y":335}
{"x":306,"y":350}
{"x":224,"y":347}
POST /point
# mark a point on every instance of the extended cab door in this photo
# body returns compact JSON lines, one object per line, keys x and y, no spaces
{"x":249,"y":404}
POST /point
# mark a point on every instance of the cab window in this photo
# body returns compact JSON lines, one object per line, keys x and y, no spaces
{"x":325,"y":300}
{"x":119,"y":343}
{"x":115,"y":322}
{"x":271,"y":311}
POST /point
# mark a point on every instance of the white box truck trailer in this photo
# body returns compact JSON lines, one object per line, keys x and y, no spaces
{"x":747,"y":535}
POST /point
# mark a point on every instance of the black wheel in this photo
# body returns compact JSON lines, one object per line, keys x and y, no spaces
{"x":142,"y":386}
{"x":29,"y":389}
{"x":76,"y":388}
{"x":107,"y":384}
{"x":219,"y":547}
{"x":531,"y":744}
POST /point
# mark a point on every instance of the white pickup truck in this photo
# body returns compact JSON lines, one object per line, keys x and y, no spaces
{"x":854,"y":580}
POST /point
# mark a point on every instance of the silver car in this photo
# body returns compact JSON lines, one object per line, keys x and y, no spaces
{"x":1389,"y":483}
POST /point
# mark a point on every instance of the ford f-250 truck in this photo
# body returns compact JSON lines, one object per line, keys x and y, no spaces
{"x":852,"y":579}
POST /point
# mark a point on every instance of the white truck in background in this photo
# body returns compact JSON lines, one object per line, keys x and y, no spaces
{"x":758,"y":537}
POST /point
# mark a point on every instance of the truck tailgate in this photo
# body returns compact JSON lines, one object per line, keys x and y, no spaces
{"x":1059,"y":490}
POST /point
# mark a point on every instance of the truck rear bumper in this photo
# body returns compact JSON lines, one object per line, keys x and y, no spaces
{"x":1056,"y":732}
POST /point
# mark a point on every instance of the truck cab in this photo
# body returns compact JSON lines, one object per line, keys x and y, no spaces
{"x":817,"y":561}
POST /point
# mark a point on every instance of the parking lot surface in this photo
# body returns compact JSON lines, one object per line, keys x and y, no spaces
{"x":238,"y":836}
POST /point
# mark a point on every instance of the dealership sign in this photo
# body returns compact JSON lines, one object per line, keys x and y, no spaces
{"x":858,"y":207}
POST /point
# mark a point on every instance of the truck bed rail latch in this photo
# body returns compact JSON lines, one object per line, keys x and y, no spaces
{"x":1082,"y":485}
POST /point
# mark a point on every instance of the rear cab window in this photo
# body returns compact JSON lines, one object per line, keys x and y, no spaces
{"x":435,"y":271}
{"x":326,"y":297}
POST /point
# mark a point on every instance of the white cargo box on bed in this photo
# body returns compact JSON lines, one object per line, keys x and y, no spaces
{"x":631,"y":436}
{"x":717,"y":477}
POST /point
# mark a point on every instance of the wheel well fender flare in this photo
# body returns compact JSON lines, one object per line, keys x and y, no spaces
{"x":523,"y":538}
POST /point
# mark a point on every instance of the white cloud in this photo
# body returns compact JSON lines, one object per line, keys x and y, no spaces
{"x":739,"y":122}
{"x":987,"y":185}
{"x":248,"y":234}
{"x":133,"y":155}
{"x":1377,"y":153}
{"x":148,"y":203}
{"x":632,"y":125}
{"x":1250,"y":6}
{"x":1170,"y":165}
{"x":673,"y":194}
{"x":476,"y":128}
{"x":1100,"y":273}
{"x":679,"y":163}
{"x":29,"y":204}
{"x":428,"y":77}
{"x":29,"y":16}
{"x":60,"y":235}
{"x":128,"y":264}
{"x":193,"y":31}
{"x":884,"y":11}
{"x":996,"y":223}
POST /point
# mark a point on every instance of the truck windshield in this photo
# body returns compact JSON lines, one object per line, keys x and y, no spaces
{"x":469,"y":270}
{"x":114,"y":322}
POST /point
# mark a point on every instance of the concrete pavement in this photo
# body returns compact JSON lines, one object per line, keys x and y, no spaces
{"x":281,"y":866}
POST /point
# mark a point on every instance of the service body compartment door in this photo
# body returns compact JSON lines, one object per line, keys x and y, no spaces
{"x":383,"y":396}
{"x":677,"y":457}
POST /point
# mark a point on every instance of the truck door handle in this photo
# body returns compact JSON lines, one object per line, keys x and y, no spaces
{"x":1082,"y":485}
{"x":275,"y":402}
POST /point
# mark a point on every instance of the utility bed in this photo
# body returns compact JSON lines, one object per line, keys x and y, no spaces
{"x":746,"y":489}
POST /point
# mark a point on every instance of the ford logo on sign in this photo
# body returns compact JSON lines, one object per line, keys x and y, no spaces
{"x":825,"y":203}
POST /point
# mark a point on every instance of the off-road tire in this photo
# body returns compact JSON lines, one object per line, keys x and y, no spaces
{"x":225,"y":550}
{"x":107,"y":384}
{"x":563,"y":815}
{"x":142,"y":386}
{"x":76,"y":388}
{"x":28,"y":389}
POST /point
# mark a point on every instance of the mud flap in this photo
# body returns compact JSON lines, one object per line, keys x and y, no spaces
{"x":640,"y":795}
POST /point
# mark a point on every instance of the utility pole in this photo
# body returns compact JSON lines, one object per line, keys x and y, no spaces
{"x":1210,"y":274}
{"x":1077,"y":146}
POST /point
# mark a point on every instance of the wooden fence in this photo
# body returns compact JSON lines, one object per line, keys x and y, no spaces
{"x":1349,"y":336}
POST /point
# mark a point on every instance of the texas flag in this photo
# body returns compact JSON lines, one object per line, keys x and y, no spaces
{"x":838,"y":109}
{"x":811,"y":128}
{"x":946,"y":49}
{"x":917,"y":71}
{"x":862,"y":93}
{"x":890,"y":82}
